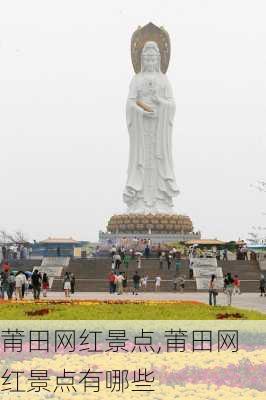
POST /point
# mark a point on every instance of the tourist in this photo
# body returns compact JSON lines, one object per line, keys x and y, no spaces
{"x":72,"y":282}
{"x":36,"y":282}
{"x":177,"y":264}
{"x":245,"y":253}
{"x":161,"y":261}
{"x":147,"y":251}
{"x":122,"y":253}
{"x":117,"y":259}
{"x":113,"y":264}
{"x":168,"y":260}
{"x":45,"y":284}
{"x":6,"y":266}
{"x":136,"y":280}
{"x":225,"y":255}
{"x":213,"y":290}
{"x":126,"y":261}
{"x":125,"y":282}
{"x":20,"y":280}
{"x":4,"y":252}
{"x":191,"y":263}
{"x":139,"y":260}
{"x":4,"y":284}
{"x":218,"y":255}
{"x":11,"y":284}
{"x":67,"y":284}
{"x":228,"y":288}
{"x":236,"y":284}
{"x":159,"y":250}
{"x":174,"y":252}
{"x":119,"y":283}
{"x":145,"y":282}
{"x":175,"y":282}
{"x":111,"y":280}
{"x":25,"y":289}
{"x":253,"y":257}
{"x":157,"y":283}
{"x":262,"y":285}
{"x":181,"y":283}
{"x":113,"y":251}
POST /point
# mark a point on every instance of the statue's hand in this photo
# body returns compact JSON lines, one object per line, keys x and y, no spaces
{"x":150,"y":114}
{"x":156,"y":99}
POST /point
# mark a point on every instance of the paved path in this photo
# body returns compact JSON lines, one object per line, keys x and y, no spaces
{"x":250,"y":301}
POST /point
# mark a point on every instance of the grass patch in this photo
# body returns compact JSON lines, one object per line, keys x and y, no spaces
{"x":122,"y":311}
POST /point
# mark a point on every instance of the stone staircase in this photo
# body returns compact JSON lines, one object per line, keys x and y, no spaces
{"x":248,"y":273}
{"x":24,"y":264}
{"x":53,"y":266}
{"x":91,"y":274}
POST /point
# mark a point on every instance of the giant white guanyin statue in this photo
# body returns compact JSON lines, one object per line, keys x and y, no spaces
{"x":151,"y":183}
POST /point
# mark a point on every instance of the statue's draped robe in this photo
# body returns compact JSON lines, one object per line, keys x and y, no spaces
{"x":151,"y":181}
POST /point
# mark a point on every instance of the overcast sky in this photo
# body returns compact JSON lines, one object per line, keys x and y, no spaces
{"x":65,"y":69}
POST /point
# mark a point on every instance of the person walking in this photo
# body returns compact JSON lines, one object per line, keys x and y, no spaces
{"x":36,"y":282}
{"x":125,"y":282}
{"x":4,"y":252}
{"x":177,"y":264}
{"x":117,"y":259}
{"x":175,"y":281}
{"x":191,"y":272}
{"x":119,"y":283}
{"x":213,"y":290}
{"x":11,"y":285}
{"x":157,"y":283}
{"x":168,"y":260}
{"x":225,"y":255}
{"x":236,"y":284}
{"x":145,"y":281}
{"x":228,"y":288}
{"x":139,"y":261}
{"x":161,"y":261}
{"x":262,"y":285}
{"x":4,"y":284}
{"x":19,"y":281}
{"x":136,"y":280}
{"x":67,"y":284}
{"x":111,"y":279}
{"x":181,"y":284}
{"x":72,"y":283}
{"x":126,"y":261}
{"x":45,"y":284}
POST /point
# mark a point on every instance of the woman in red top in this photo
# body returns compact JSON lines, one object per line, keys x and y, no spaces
{"x":45,"y":284}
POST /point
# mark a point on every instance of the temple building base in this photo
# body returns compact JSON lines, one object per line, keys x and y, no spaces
{"x":158,"y":228}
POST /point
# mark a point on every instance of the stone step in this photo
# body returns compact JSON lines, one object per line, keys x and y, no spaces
{"x":95,"y":285}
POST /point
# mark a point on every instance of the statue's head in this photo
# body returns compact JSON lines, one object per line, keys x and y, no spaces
{"x":150,"y":58}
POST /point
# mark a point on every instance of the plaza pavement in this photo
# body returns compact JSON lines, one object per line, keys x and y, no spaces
{"x":250,"y":301}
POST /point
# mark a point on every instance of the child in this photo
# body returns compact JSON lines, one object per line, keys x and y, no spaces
{"x":236,"y":285}
{"x":181,"y":284}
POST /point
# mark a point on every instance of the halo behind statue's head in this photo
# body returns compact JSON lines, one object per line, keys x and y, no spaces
{"x":145,"y":36}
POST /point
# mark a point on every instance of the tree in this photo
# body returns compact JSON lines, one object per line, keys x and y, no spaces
{"x":17,"y":237}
